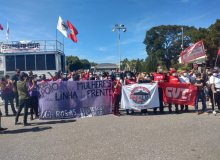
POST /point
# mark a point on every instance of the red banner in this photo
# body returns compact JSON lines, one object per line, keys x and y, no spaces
{"x":192,"y":52}
{"x":177,"y":93}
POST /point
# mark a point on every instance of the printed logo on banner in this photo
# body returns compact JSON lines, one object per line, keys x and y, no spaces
{"x":140,"y":95}
{"x":64,"y":26}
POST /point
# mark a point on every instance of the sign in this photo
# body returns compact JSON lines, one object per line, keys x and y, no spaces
{"x":20,"y":47}
{"x":140,"y":96}
{"x":192,"y":52}
{"x":74,"y":99}
{"x":177,"y":93}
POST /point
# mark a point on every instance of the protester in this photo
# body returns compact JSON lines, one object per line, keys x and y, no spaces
{"x":7,"y":94}
{"x":14,"y":79}
{"x":44,"y":79}
{"x":90,"y":77}
{"x":117,"y":95}
{"x":215,"y":86}
{"x":1,"y":129}
{"x":173,"y":78}
{"x":142,"y":78}
{"x":30,"y":73}
{"x":200,"y":94}
{"x":184,"y":78}
{"x":127,"y":81}
{"x":33,"y":97}
{"x":24,"y":97}
{"x":159,"y":78}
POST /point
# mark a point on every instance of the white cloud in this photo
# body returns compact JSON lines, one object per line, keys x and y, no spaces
{"x":102,"y":49}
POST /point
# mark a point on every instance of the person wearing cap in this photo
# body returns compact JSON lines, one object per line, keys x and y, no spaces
{"x":159,"y":77}
{"x":184,"y":78}
{"x":117,"y":95}
{"x":200,"y":83}
{"x":215,"y":86}
{"x":173,"y":78}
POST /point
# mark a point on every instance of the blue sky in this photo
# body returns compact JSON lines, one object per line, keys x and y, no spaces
{"x":94,"y":20}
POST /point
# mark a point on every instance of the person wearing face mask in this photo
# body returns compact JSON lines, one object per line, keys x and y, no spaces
{"x":184,"y":78}
{"x":24,"y":97}
{"x":33,"y":97}
{"x":15,"y":78}
{"x":173,"y":78}
{"x":90,"y":77}
{"x":44,"y":79}
{"x":128,"y":81}
{"x":159,"y":77}
{"x":215,"y":87}
{"x":200,"y":94}
{"x":117,"y":95}
{"x":7,"y":94}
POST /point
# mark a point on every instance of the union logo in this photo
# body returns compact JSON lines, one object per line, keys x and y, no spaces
{"x":140,"y":95}
{"x":64,"y":26}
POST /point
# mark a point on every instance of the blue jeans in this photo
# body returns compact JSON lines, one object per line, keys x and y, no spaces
{"x":201,"y":95}
{"x":9,"y":98}
{"x":170,"y":107}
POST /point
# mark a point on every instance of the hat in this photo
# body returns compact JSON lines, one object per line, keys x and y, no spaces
{"x":215,"y":71}
{"x":172,"y":70}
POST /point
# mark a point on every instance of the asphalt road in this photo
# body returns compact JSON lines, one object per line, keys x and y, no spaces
{"x":161,"y":137}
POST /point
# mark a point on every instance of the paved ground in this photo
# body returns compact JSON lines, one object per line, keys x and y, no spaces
{"x":161,"y":137}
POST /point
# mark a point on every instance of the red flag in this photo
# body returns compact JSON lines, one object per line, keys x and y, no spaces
{"x":1,"y":28}
{"x":219,"y":51}
{"x":73,"y":33}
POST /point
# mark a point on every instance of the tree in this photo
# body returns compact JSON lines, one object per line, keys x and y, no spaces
{"x":164,"y":42}
{"x":86,"y":64}
{"x":74,"y":63}
{"x":93,"y":63}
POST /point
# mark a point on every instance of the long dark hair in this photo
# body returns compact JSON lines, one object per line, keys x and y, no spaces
{"x":22,"y":75}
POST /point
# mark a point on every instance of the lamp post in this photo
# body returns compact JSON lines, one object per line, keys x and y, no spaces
{"x":124,"y":30}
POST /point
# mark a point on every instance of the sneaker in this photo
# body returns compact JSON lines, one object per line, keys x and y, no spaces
{"x":210,"y":104}
{"x":162,"y":112}
{"x":197,"y":112}
{"x":31,"y":118}
{"x":214,"y":112}
{"x":186,"y":110}
{"x":146,"y":113}
{"x":206,"y":113}
{"x":16,"y":122}
{"x":26,"y":124}
{"x":177,"y":112}
{"x":143,"y":114}
{"x":3,"y":129}
{"x":170,"y":112}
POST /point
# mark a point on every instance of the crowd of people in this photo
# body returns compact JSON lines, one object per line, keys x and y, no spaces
{"x":22,"y":88}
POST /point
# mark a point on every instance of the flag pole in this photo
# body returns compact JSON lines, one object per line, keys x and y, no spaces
{"x":56,"y":40}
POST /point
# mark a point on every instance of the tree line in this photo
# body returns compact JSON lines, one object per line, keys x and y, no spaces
{"x":163,"y":46}
{"x":74,"y":63}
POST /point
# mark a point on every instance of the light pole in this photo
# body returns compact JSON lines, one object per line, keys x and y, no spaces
{"x":124,"y":30}
{"x":182,"y":39}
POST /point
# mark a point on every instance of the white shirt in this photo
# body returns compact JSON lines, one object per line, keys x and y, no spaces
{"x":70,"y":79}
{"x":215,"y":81}
{"x":184,"y":79}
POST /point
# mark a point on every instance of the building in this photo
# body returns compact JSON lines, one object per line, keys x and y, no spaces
{"x":105,"y":67}
{"x":40,"y":56}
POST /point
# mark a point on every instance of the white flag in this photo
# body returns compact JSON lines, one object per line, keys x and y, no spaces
{"x":63,"y":28}
{"x":7,"y":32}
{"x":140,"y":96}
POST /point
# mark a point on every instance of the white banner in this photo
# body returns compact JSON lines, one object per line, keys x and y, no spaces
{"x":140,"y":96}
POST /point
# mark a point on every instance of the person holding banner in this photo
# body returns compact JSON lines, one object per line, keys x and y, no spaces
{"x":142,"y":78}
{"x":215,"y":86}
{"x":184,"y":78}
{"x":24,"y":97}
{"x":173,"y":78}
{"x":117,"y":95}
{"x":159,"y":77}
{"x":200,"y":94}
{"x":127,"y":81}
